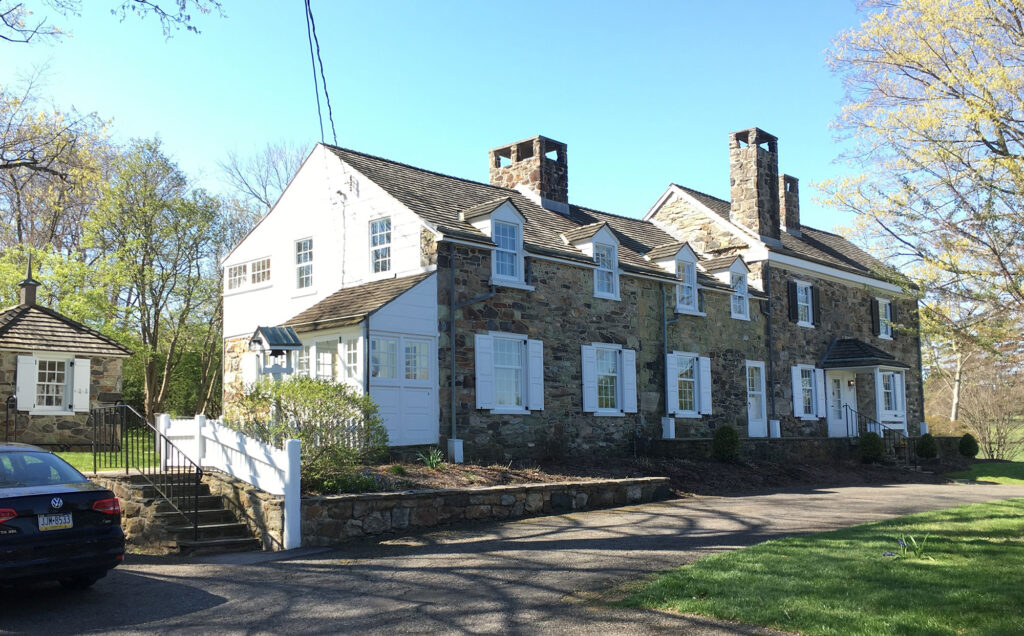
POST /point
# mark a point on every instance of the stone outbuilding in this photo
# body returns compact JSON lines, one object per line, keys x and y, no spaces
{"x":53,"y":370}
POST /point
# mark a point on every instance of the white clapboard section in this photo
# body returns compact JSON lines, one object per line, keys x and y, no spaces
{"x":210,"y":444}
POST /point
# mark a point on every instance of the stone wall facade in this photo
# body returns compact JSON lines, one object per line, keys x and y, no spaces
{"x":231,"y":380}
{"x":845,"y":313}
{"x":754,"y":182}
{"x":261,"y":511}
{"x":531,"y":164}
{"x":682,"y":220}
{"x":794,"y":449}
{"x":69,"y":431}
{"x":331,"y":520}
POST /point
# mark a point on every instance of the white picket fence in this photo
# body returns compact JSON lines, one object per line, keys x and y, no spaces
{"x":212,"y":445}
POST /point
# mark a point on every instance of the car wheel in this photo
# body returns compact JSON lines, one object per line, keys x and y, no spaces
{"x":79,"y":582}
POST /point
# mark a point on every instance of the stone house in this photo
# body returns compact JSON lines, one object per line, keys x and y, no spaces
{"x":509,"y":323}
{"x":53,"y":370}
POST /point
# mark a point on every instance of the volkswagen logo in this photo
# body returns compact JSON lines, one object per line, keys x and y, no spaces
{"x":56,"y":503}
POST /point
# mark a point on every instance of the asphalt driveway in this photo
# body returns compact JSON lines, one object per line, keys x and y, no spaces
{"x":518,"y":577}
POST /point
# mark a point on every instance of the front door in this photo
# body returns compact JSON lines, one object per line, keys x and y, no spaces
{"x":757,"y":419}
{"x":842,"y":393}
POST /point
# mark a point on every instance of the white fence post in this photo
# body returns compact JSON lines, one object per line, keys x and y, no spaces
{"x":292,"y":496}
{"x":200,"y":441}
{"x":163,"y":423}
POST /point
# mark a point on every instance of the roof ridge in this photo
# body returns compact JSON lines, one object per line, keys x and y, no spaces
{"x":700,"y":192}
{"x":618,"y":216}
{"x":418,"y":169}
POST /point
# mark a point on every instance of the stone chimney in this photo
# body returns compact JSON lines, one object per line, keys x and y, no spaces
{"x":789,"y":204}
{"x":754,"y":181}
{"x":536,"y":166}
{"x":28,"y":286}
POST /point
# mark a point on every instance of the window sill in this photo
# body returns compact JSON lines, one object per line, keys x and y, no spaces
{"x":740,"y":317}
{"x":305,"y":291}
{"x":513,"y":284}
{"x":687,"y":415}
{"x":884,"y":337}
{"x":51,"y":411}
{"x":503,"y":411}
{"x":808,"y":325}
{"x":682,"y":311}
{"x":609,"y":413}
{"x":607,"y":296}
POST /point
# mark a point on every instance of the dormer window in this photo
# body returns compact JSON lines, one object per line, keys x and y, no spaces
{"x":380,"y":245}
{"x":686,"y":290}
{"x":740,"y":297}
{"x":606,"y":277}
{"x":507,"y":256}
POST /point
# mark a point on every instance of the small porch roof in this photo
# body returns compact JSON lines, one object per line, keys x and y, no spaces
{"x":849,"y":353}
{"x":276,"y":339}
{"x":352,"y":305}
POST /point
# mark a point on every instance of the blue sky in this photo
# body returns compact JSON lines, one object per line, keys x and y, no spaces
{"x":643,"y":93}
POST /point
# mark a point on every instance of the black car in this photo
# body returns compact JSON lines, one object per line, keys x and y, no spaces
{"x":54,"y":523}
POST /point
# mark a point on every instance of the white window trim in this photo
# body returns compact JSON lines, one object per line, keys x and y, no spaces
{"x":818,"y":410}
{"x":743,"y":297}
{"x":533,"y":376}
{"x":252,"y":272}
{"x":749,"y":364}
{"x":619,"y":401}
{"x":802,"y":284}
{"x":397,"y":379}
{"x":614,"y":295}
{"x":69,"y":361}
{"x":520,"y":278}
{"x":698,"y":385}
{"x":898,"y":416}
{"x":691,"y":309}
{"x":242,"y":280}
{"x":308,"y":289}
{"x":884,"y":322}
{"x":386,"y":273}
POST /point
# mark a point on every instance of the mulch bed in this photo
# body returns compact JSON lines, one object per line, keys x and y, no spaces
{"x":688,"y":477}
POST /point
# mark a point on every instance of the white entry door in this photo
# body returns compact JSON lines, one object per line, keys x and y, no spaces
{"x":757,"y":417}
{"x":842,"y":392}
{"x":403,"y":383}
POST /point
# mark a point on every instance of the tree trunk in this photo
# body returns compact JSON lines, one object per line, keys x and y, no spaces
{"x":958,"y":377}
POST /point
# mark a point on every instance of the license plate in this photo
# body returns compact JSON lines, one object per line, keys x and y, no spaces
{"x":60,"y":521}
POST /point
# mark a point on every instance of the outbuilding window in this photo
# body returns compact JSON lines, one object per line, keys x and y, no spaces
{"x":52,"y":384}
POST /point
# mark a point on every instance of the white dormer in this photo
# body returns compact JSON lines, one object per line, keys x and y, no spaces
{"x":681,"y":261}
{"x":736,"y":276}
{"x":503,"y":222}
{"x":599,"y":243}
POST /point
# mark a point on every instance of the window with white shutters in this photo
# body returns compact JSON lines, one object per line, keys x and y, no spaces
{"x":609,"y":379}
{"x":808,"y":392}
{"x":509,"y":373}
{"x":52,"y":384}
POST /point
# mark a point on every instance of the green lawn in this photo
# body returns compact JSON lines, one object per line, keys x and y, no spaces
{"x":141,"y":446}
{"x":840,"y":582}
{"x":999,"y":472}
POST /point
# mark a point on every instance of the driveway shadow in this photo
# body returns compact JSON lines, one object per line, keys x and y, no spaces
{"x":121,"y":599}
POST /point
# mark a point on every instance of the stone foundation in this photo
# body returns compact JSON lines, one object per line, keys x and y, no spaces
{"x":143,"y":531}
{"x":330,"y":520}
{"x":783,"y":449}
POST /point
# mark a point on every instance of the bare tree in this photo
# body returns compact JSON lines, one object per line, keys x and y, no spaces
{"x":22,"y":25}
{"x":258,"y":180}
{"x":992,"y":408}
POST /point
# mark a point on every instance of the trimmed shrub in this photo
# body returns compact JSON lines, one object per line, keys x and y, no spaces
{"x":968,"y":446}
{"x":927,"y":448}
{"x":725,"y":446}
{"x":871,"y":448}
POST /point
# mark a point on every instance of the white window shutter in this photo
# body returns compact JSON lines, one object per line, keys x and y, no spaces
{"x":629,"y":380}
{"x":671,"y":384}
{"x":535,"y":373}
{"x":798,"y":395}
{"x":901,"y":387}
{"x":819,"y":392}
{"x":26,"y":382}
{"x":251,"y":368}
{"x":589,"y":360}
{"x":80,"y":389}
{"x":483,"y":346}
{"x":704,"y":365}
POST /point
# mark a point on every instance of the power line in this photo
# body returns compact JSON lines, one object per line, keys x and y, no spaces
{"x":312,"y":63}
{"x":311,"y":31}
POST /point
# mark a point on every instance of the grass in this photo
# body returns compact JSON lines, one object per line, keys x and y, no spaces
{"x":999,"y":472}
{"x":839,"y":582}
{"x":141,"y":448}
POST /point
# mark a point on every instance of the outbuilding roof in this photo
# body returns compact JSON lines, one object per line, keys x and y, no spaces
{"x":36,"y":328}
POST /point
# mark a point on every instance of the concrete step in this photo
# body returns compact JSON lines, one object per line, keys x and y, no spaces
{"x":206,"y":502}
{"x":150,"y":492}
{"x":211,"y":531}
{"x":218,"y":546}
{"x":209,"y":515}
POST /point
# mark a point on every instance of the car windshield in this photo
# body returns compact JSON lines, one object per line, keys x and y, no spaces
{"x":34,"y":468}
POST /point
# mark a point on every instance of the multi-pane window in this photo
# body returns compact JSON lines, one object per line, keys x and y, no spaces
{"x":51,"y":383}
{"x":236,"y":276}
{"x":885,"y":318}
{"x":304,"y":263}
{"x":686,"y":291}
{"x":755,"y":388}
{"x":302,"y":361}
{"x":607,"y":378}
{"x":604,"y":276}
{"x":890,"y":391}
{"x":380,"y":245}
{"x":260,"y":271}
{"x":807,"y":390}
{"x":508,"y":372}
{"x":327,"y":359}
{"x":417,"y":356}
{"x":506,"y":257}
{"x":351,"y":357}
{"x":384,"y":358}
{"x":740,"y":301}
{"x":686,"y":380}
{"x":804,"y":304}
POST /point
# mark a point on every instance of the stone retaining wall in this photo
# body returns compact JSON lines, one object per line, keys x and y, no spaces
{"x":143,"y":531}
{"x":778,"y":449}
{"x":332,"y":519}
{"x":261,"y":511}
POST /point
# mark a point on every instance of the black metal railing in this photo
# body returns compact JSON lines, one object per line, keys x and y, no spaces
{"x":898,"y":445}
{"x":9,"y":408}
{"x":123,"y":439}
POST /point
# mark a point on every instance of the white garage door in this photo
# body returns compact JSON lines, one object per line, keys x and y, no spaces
{"x":403,"y":383}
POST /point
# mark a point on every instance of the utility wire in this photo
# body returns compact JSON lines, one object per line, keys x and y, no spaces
{"x":311,"y":28}
{"x":312,"y":63}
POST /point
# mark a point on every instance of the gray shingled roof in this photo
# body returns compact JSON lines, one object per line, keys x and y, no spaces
{"x":584,"y":232}
{"x":719,"y":263}
{"x":716,"y":205}
{"x":483,"y":209}
{"x":351,"y":305}
{"x":850,"y":352}
{"x":37,"y":328}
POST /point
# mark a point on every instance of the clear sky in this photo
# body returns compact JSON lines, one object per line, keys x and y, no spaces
{"x":643,"y":93}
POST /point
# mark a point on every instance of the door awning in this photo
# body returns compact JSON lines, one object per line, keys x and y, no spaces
{"x":850,"y":353}
{"x":277,"y":340}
